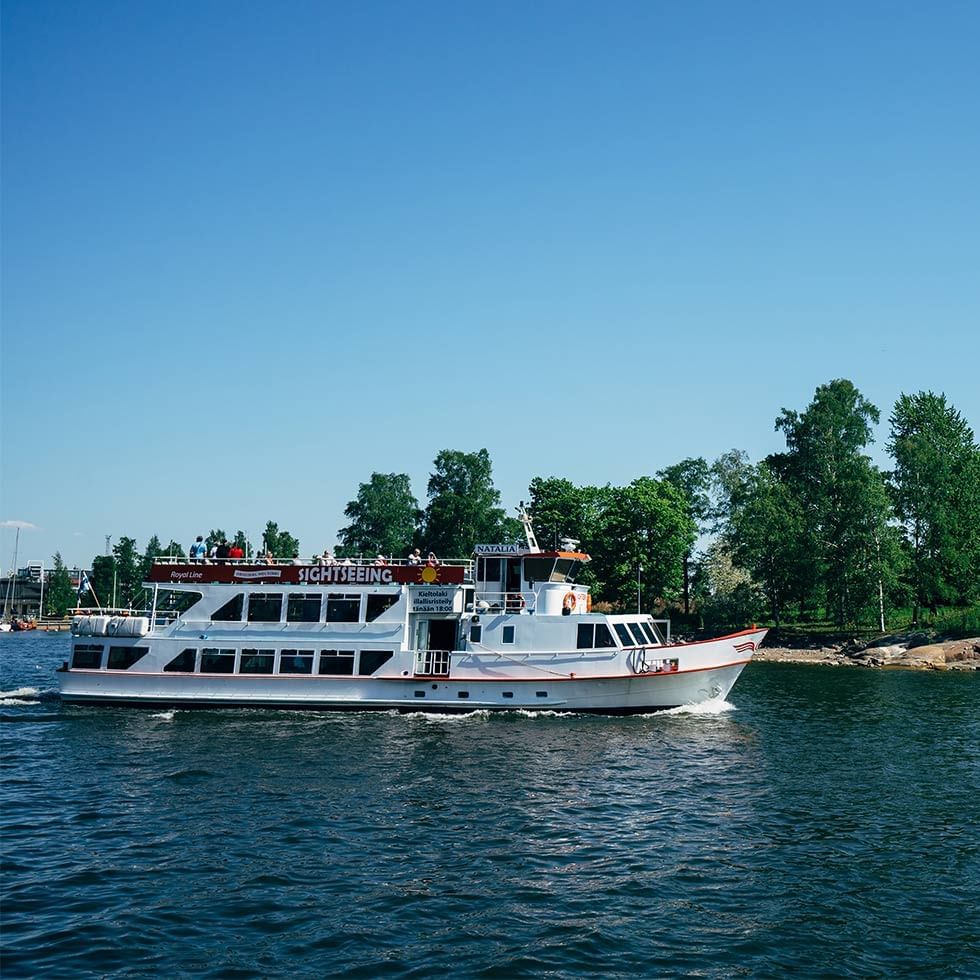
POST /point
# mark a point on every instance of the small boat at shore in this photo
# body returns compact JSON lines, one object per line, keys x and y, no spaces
{"x":507,"y":629}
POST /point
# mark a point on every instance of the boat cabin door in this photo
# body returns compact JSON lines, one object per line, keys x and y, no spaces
{"x":435,"y":634}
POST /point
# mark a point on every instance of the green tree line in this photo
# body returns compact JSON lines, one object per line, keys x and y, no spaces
{"x":814,"y":530}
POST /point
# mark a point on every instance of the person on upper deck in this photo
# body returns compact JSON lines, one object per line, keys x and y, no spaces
{"x":327,"y":558}
{"x":380,"y":560}
{"x":223,"y":552}
{"x":198,"y":549}
{"x":415,"y":558}
{"x":432,"y":561}
{"x":236,"y":551}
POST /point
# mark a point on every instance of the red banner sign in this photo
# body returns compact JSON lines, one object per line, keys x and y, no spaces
{"x":308,"y":574}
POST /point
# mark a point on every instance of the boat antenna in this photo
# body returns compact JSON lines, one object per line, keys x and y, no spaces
{"x":525,"y":519}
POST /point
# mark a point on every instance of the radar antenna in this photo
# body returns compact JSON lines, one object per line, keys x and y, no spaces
{"x":525,"y":519}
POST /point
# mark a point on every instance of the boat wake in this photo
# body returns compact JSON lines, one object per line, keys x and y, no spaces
{"x":21,"y":695}
{"x":716,"y":706}
{"x":165,"y":715}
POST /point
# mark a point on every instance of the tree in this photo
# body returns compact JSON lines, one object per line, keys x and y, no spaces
{"x":60,"y":594}
{"x":559,"y":509}
{"x":129,"y":573}
{"x":692,"y":477}
{"x":464,"y":506}
{"x":936,"y":489}
{"x":384,"y":517}
{"x":281,"y":543}
{"x":764,"y":535}
{"x":153,"y":550}
{"x":844,"y":507}
{"x":645,"y":524}
{"x":729,"y":598}
{"x":101,"y":580}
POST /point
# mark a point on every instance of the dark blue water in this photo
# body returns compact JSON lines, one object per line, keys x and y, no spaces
{"x":825,"y":825}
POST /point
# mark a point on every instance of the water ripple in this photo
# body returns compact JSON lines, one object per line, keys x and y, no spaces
{"x":822,"y":823}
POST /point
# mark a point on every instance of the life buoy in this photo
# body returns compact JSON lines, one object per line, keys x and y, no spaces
{"x":569,"y":601}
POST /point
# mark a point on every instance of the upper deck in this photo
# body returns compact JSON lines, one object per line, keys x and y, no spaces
{"x":359,"y":571}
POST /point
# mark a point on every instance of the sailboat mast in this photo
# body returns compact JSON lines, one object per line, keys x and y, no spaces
{"x":8,"y":600}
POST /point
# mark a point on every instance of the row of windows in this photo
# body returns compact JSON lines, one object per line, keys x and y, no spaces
{"x":88,"y":656}
{"x":507,"y":633}
{"x":302,"y":607}
{"x":636,"y":634}
{"x":592,"y":635}
{"x":222,"y":660}
{"x":254,"y":660}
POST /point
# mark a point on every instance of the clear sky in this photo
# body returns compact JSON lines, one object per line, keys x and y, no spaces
{"x":253,"y":252}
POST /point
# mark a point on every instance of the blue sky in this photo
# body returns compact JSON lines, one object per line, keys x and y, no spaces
{"x":254,"y":252}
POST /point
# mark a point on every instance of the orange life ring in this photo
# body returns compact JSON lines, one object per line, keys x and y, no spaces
{"x":569,"y":601}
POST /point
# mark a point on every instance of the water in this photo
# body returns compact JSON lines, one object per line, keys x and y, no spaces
{"x":824,"y":823}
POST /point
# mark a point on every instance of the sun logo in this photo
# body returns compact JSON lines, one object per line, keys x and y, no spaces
{"x":430,"y":575}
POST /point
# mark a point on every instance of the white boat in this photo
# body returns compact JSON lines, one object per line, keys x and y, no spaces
{"x":508,"y":629}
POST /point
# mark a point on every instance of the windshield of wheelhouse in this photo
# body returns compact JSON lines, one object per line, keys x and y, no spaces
{"x":540,"y":569}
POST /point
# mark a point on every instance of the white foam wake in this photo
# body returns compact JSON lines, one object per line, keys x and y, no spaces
{"x":714,"y":706}
{"x":20,"y":695}
{"x":165,"y":715}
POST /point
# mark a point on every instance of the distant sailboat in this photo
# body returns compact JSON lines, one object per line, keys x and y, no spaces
{"x":8,"y":622}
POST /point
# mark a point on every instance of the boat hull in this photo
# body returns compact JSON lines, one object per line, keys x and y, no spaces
{"x":626,"y":694}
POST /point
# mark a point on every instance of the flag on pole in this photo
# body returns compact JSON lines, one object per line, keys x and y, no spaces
{"x":83,"y":586}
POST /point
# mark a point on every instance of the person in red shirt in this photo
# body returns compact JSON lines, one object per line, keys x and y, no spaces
{"x":235,"y":551}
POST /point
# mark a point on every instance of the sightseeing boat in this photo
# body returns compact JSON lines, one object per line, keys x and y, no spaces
{"x":508,"y":629}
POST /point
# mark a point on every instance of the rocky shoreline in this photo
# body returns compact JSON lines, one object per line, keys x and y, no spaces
{"x":912,"y":651}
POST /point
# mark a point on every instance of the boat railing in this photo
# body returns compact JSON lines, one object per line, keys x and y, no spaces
{"x":432,"y":663}
{"x":465,"y":563}
{"x":512,"y":602}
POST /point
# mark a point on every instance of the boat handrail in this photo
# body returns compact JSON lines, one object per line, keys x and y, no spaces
{"x":514,"y":601}
{"x":366,"y":562}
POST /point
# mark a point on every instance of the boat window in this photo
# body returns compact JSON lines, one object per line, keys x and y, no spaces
{"x":371,"y":660}
{"x":488,"y":569}
{"x":175,"y":602}
{"x":87,"y":656}
{"x":586,"y":636}
{"x":476,"y":633}
{"x":377,"y":604}
{"x":303,"y":607}
{"x":564,"y":570}
{"x":296,"y":662}
{"x":257,"y":662}
{"x":624,"y":634}
{"x":538,"y":569}
{"x":339,"y":662}
{"x":507,"y":634}
{"x":231,"y":611}
{"x":342,"y":608}
{"x":648,"y":632}
{"x":603,"y":638}
{"x":183,"y":663}
{"x":265,"y":607}
{"x":215,"y":661}
{"x":637,"y":633}
{"x":122,"y":658}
